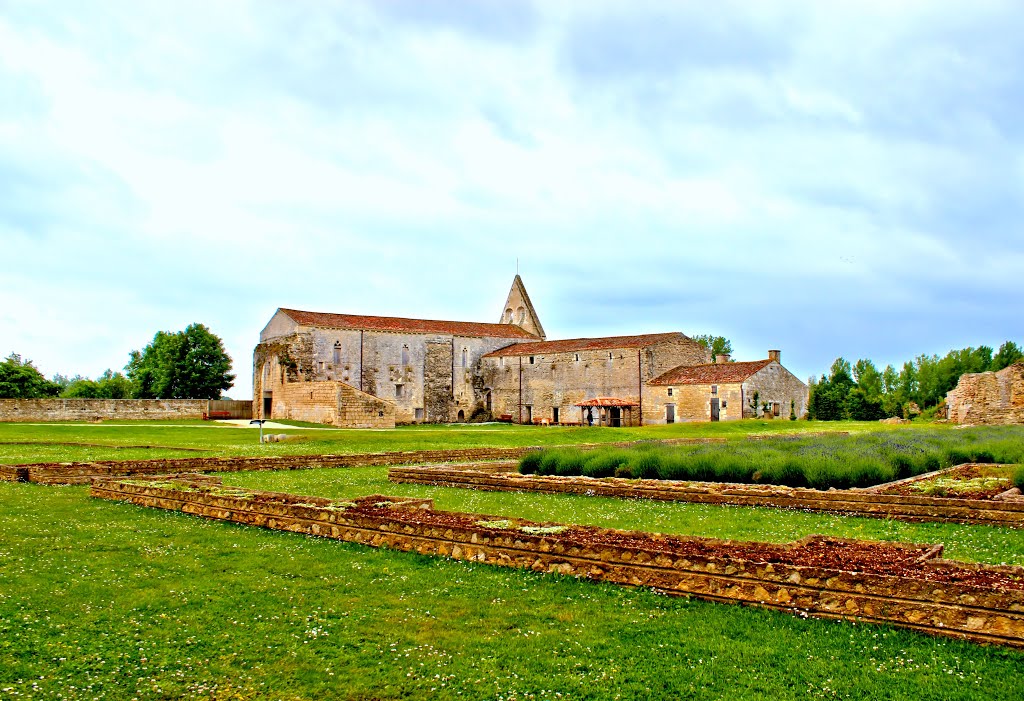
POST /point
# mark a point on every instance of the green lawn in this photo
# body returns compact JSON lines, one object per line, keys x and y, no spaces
{"x":102,"y":600}
{"x":53,"y":442}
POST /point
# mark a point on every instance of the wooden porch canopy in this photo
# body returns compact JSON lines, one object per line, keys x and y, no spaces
{"x":608,"y":402}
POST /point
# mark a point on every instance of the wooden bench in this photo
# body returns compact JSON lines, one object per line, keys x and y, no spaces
{"x":216,"y":415}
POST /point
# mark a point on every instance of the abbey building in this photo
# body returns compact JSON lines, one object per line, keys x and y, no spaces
{"x":372,"y":371}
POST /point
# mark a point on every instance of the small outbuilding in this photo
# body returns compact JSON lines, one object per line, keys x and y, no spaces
{"x":726,"y":390}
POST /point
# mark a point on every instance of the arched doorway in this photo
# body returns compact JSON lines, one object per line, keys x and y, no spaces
{"x":461,"y":416}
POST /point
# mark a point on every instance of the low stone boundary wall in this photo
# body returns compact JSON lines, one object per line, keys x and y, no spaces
{"x":855,"y":502}
{"x":83,"y":472}
{"x":819,"y":576}
{"x":100,"y":409}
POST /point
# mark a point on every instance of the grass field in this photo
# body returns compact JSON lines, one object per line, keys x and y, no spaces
{"x":28,"y":443}
{"x":110,"y":601}
{"x":101,"y":600}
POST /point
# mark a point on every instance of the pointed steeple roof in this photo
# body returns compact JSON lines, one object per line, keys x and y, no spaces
{"x":519,"y":310}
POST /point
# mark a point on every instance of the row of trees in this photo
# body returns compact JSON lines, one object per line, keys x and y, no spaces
{"x":863,"y":393}
{"x":189,"y":364}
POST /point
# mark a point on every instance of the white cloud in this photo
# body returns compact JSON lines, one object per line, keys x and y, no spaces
{"x":757,"y":170}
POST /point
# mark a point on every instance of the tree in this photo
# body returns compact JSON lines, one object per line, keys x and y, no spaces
{"x":20,"y":379}
{"x":718,"y":345}
{"x":1008,"y":354}
{"x":109,"y":385}
{"x":828,"y":400}
{"x":189,"y":364}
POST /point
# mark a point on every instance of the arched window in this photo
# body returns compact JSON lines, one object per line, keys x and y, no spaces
{"x":405,"y":355}
{"x":521,"y":315}
{"x":337,"y":352}
{"x":465,"y":357}
{"x":508,"y":315}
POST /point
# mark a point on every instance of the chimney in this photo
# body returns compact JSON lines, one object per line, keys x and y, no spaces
{"x":775,"y":355}
{"x":722,"y":358}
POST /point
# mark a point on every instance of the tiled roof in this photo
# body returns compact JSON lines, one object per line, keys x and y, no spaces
{"x":718,"y":374}
{"x":392,"y":323}
{"x":608,"y":401}
{"x":585,"y":344}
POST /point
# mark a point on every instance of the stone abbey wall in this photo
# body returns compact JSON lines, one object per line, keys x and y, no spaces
{"x":426,"y":377}
{"x":988,"y":397}
{"x":562,"y":380}
{"x":100,"y":409}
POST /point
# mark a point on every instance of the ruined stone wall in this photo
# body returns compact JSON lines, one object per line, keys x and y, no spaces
{"x":989,"y":397}
{"x":971,"y":601}
{"x":504,"y":477}
{"x":100,"y":409}
{"x":361,"y":410}
{"x":329,"y":402}
{"x":562,"y":380}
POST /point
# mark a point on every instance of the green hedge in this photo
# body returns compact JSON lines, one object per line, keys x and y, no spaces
{"x":819,"y":462}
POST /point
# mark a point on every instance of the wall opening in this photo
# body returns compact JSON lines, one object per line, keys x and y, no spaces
{"x":461,"y":416}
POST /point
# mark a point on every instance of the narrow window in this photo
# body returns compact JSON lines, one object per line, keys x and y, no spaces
{"x":337,"y":352}
{"x":577,"y":357}
{"x":609,"y":356}
{"x":405,"y":355}
{"x":399,"y":391}
{"x":531,"y":360}
{"x":714,"y":389}
{"x":670,"y":391}
{"x":465,"y":357}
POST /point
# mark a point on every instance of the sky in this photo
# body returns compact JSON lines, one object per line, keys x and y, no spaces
{"x":826,"y":178}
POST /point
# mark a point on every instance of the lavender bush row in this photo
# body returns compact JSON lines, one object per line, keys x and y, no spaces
{"x":818,"y":462}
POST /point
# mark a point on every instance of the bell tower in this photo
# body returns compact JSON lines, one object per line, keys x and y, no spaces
{"x":519,"y":310}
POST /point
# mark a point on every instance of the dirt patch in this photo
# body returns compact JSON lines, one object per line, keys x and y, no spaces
{"x":971,"y":481}
{"x":870,"y":557}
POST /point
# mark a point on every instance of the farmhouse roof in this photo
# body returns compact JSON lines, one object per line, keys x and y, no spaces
{"x":714,"y":374}
{"x":585,"y":344}
{"x":398,"y":324}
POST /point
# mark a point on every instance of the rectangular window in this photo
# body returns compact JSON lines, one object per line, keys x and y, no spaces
{"x":419,"y":414}
{"x":577,"y":358}
{"x":399,"y":391}
{"x":714,"y":389}
{"x":670,"y":391}
{"x":531,"y":360}
{"x":775,"y":408}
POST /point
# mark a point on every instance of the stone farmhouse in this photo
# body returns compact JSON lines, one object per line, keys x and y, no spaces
{"x":373,"y":372}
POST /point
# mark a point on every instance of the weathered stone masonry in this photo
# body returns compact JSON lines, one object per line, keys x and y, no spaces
{"x":928,"y":595}
{"x":988,"y":397}
{"x":100,"y":409}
